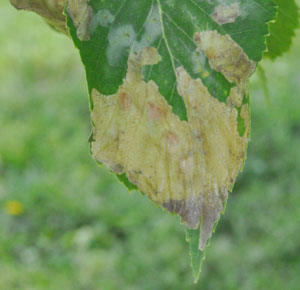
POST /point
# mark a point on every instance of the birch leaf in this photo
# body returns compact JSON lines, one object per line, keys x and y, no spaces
{"x":169,"y":98}
{"x":50,"y":10}
{"x":282,"y":31}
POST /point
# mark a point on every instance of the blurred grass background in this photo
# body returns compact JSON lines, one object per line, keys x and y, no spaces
{"x":67,"y":224}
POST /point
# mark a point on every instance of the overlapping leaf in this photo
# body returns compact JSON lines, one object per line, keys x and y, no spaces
{"x":283,"y":29}
{"x":50,"y":10}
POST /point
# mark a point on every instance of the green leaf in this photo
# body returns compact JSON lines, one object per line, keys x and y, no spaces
{"x":283,"y":29}
{"x":197,"y":257}
{"x":169,"y":99}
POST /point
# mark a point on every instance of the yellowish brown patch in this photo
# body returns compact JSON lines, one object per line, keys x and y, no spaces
{"x":81,"y":14}
{"x":225,"y":56}
{"x":186,"y":167}
{"x":226,"y":13}
{"x":50,"y":10}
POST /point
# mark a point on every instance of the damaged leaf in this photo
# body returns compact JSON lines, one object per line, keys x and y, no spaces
{"x":81,"y":14}
{"x":189,"y":166}
{"x":169,"y":97}
{"x":50,"y":10}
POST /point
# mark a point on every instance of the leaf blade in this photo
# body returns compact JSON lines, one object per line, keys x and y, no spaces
{"x":173,"y":37}
{"x":282,"y":31}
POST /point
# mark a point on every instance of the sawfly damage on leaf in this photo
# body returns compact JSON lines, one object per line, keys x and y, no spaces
{"x":50,"y":10}
{"x":169,"y":98}
{"x":168,"y":93}
{"x":82,"y":15}
{"x":188,"y":166}
{"x":226,"y":14}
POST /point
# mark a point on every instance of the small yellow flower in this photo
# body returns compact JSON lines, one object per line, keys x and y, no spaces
{"x":14,"y":207}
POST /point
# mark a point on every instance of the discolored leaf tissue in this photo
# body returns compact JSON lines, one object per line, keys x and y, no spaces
{"x":169,"y":97}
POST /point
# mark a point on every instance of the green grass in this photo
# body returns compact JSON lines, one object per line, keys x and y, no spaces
{"x":81,"y":230}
